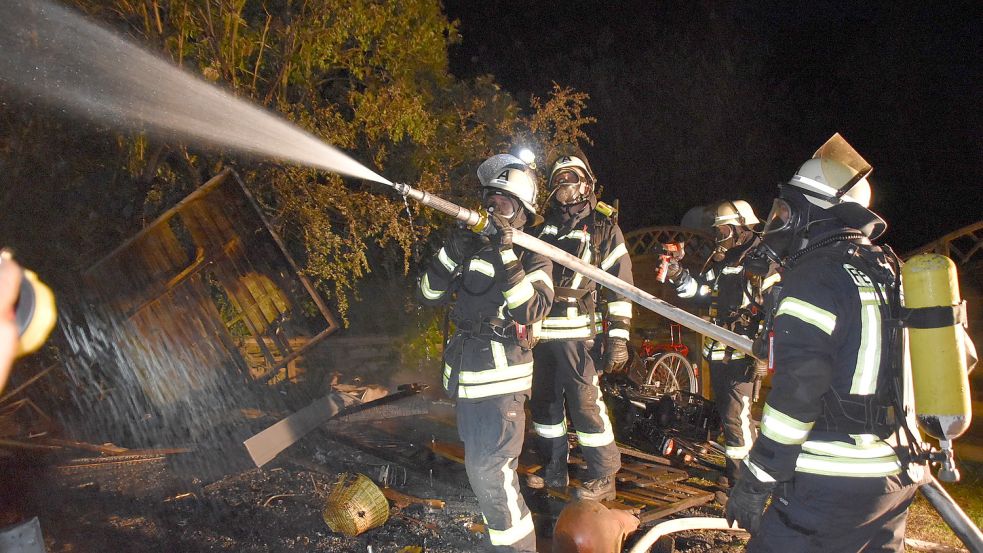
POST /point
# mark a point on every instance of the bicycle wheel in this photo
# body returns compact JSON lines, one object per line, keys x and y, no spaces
{"x":670,"y":372}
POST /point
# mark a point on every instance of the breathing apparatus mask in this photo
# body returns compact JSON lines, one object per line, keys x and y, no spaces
{"x":732,"y":222}
{"x":503,"y":204}
{"x":724,"y":238}
{"x":786,"y":227}
{"x":570,"y":187}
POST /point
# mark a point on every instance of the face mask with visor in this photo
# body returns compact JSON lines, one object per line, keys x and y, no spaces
{"x":502,"y":204}
{"x":780,"y":235}
{"x":569,"y":187}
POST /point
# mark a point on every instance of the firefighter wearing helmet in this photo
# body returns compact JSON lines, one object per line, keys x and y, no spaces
{"x":733,"y":293}
{"x":566,"y":378}
{"x":833,"y":445}
{"x":497,"y":294}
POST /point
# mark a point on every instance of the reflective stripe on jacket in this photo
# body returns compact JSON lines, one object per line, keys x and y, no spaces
{"x":570,"y":318}
{"x":828,"y":345}
{"x":508,"y":286}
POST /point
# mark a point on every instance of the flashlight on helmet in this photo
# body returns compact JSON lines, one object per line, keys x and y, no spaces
{"x":527,"y":156}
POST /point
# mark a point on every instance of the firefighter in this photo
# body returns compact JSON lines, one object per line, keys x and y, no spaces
{"x":831,"y":452}
{"x":566,"y":377}
{"x":501,"y":292}
{"x":733,"y":295}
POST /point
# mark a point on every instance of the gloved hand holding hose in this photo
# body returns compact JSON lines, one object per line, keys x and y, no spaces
{"x":615,"y":354}
{"x":462,"y":244}
{"x":503,"y":232}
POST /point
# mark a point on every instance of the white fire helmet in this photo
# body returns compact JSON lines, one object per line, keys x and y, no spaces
{"x":571,"y":162}
{"x":509,"y":173}
{"x":737,"y":213}
{"x":827,"y":182}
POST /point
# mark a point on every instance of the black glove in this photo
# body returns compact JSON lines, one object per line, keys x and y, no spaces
{"x":747,"y":501}
{"x":503,"y":232}
{"x":462,"y":244}
{"x":616,"y":354}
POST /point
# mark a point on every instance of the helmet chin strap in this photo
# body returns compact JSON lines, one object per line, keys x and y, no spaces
{"x":519,"y":219}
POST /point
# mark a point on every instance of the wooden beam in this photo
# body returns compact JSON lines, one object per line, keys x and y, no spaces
{"x":266,"y":445}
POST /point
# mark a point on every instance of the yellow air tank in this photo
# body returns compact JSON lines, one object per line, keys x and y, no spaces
{"x":938,"y":352}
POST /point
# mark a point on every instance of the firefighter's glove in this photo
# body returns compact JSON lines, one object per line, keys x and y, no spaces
{"x":503,"y":232}
{"x":747,"y":501}
{"x":760,"y":368}
{"x":757,"y":263}
{"x":616,"y":354}
{"x":673,"y":271}
{"x":686,"y":285}
{"x":462,"y":244}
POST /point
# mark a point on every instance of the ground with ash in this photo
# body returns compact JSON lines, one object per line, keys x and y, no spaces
{"x":213,"y":499}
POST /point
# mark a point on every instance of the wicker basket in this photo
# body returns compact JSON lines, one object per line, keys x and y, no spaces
{"x":355,"y":504}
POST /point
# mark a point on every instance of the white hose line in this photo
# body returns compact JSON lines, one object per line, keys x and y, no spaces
{"x":635,"y":294}
{"x":475,"y":219}
{"x":680,"y":525}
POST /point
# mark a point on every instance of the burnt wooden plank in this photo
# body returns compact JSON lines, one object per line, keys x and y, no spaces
{"x":266,"y":445}
{"x":655,"y":514}
{"x":659,"y":474}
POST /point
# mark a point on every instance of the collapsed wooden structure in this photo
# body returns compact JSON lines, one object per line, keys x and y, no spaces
{"x":210,"y":280}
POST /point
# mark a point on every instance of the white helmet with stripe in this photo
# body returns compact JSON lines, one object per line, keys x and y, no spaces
{"x":572,"y":162}
{"x":836,"y":174}
{"x":828,"y":182}
{"x":737,"y":213}
{"x":835,"y":180}
{"x":510,"y":174}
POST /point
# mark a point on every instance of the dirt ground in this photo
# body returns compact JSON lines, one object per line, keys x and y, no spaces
{"x":213,"y":499}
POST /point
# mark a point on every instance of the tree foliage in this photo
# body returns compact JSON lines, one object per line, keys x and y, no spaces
{"x":370,"y":77}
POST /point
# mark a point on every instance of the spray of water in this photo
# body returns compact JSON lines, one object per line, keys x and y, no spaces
{"x":125,"y":390}
{"x":52,"y":54}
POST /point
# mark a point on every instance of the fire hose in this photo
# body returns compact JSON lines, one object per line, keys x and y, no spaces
{"x":954,"y":516}
{"x":679,"y":525}
{"x":478,"y":221}
{"x":947,"y":508}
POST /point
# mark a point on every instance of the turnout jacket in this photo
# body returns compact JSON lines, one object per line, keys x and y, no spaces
{"x":733,"y":297}
{"x":580,"y":310}
{"x":826,"y":413}
{"x":496,"y":293}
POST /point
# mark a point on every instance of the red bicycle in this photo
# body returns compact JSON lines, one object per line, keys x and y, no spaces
{"x":662,"y":368}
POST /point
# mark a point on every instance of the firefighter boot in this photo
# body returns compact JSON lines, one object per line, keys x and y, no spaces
{"x":727,"y":480}
{"x":554,"y":476}
{"x":599,"y":489}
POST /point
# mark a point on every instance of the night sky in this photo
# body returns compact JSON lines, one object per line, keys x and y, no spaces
{"x":698,"y":102}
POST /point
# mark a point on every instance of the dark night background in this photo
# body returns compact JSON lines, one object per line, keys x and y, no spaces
{"x":701,"y":101}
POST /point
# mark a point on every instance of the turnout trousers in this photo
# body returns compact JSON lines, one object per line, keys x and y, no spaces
{"x":732,"y":392}
{"x":565,"y":379}
{"x":492,"y":430}
{"x":817,"y":514}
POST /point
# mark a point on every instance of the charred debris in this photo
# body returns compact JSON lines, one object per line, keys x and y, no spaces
{"x":194,"y":384}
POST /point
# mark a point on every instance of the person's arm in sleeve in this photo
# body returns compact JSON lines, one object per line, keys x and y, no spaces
{"x":529,"y":289}
{"x":616,"y":261}
{"x":695,"y":288}
{"x":527,"y":285}
{"x":435,"y":282}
